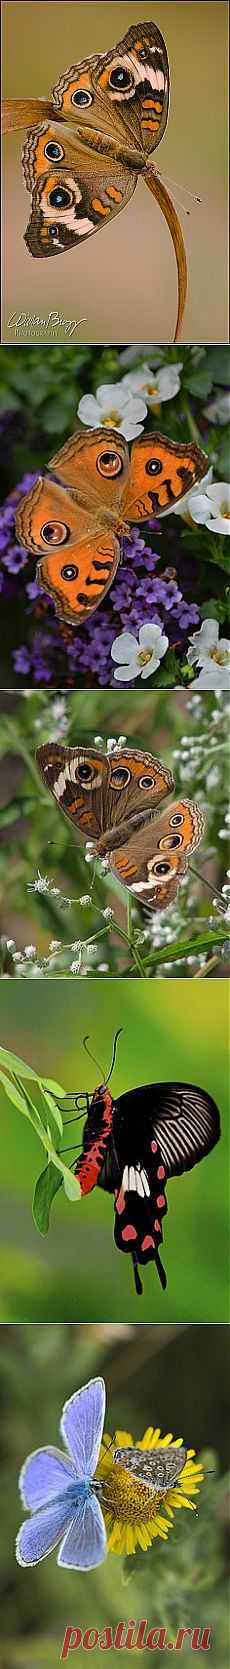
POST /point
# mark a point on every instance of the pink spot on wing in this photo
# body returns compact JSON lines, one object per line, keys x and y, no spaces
{"x":157,"y":1226}
{"x":120,"y":1202}
{"x":148,"y":1241}
{"x":154,"y":1147}
{"x":129,"y":1233}
{"x":161,"y":1172}
{"x":161,"y":1200}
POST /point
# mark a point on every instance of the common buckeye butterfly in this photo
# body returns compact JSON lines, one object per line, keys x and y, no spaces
{"x":74,"y":524}
{"x":87,"y":146}
{"x":132,"y":1145}
{"x":115,"y":799}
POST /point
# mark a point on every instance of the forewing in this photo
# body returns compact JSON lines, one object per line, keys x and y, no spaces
{"x":136,"y":781}
{"x":152,"y":862}
{"x":80,"y":796}
{"x":161,"y":472}
{"x":120,"y":95}
{"x":95,"y":465}
{"x":158,"y":1468}
{"x":85,"y":1544}
{"x":81,"y":1426}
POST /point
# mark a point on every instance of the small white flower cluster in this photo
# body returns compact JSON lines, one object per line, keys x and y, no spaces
{"x":123,"y":405}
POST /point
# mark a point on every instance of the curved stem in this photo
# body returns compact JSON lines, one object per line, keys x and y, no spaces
{"x":155,"y":185}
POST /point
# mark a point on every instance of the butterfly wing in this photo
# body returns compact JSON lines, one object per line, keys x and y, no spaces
{"x":155,"y":857}
{"x":81,"y":1427}
{"x":158,"y":1468}
{"x":137,"y":782}
{"x":45,"y":1474}
{"x":77,"y":778}
{"x":121,"y":95}
{"x":161,"y":473}
{"x":95,"y":465}
{"x":159,"y":1131}
{"x":85,"y":1544}
{"x":40,"y":1534}
{"x":72,"y":193}
{"x":78,"y":558}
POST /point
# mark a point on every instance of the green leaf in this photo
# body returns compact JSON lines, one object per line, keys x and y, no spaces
{"x":188,"y":947}
{"x":14,"y":1064}
{"x":199,"y":383}
{"x":218,"y":364}
{"x":47,"y":1186}
{"x":14,"y":1094}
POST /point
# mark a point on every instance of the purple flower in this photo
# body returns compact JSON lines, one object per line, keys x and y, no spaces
{"x":22,"y":659}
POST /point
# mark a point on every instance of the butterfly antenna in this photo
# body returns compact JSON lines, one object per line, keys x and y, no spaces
{"x":117,"y":1034}
{"x":176,"y":183}
{"x":215,"y":890}
{"x":93,"y":1058}
{"x":137,"y":1279}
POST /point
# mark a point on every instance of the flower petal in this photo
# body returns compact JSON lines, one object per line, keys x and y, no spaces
{"x":123,"y":647}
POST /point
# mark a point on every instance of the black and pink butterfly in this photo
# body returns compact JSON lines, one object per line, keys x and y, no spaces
{"x":132,"y":1145}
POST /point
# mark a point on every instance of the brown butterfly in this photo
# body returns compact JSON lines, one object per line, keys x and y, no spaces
{"x":75,"y":527}
{"x":92,"y":140}
{"x":115,"y":800}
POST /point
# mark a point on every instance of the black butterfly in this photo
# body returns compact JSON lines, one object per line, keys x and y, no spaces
{"x":133,"y":1145}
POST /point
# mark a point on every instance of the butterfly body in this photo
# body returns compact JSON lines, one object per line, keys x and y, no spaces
{"x":132,"y":1145}
{"x":74,"y":523}
{"x":116,"y":801}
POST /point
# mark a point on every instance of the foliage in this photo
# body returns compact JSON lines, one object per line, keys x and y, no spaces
{"x":38,"y":412}
{"x":75,"y":920}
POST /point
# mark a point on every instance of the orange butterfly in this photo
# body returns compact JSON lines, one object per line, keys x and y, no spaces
{"x":87,"y":146}
{"x":74,"y":527}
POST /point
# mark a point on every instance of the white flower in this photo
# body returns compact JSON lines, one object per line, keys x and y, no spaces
{"x":30,"y":950}
{"x":113,"y":407}
{"x":85,"y":899}
{"x":212,"y":508}
{"x":75,"y":966}
{"x":55,"y":944}
{"x":219,"y":410}
{"x":185,"y":508}
{"x":154,"y":386}
{"x":41,"y":884}
{"x":213,"y":656}
{"x":103,"y":967}
{"x":108,"y":914}
{"x":139,"y":659}
{"x":76,"y":946}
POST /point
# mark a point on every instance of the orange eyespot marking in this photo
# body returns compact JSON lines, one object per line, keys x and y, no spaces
{"x":116,"y":195}
{"x":98,"y":206}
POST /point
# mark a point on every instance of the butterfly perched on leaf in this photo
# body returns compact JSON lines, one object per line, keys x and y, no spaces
{"x":88,"y":145}
{"x":132,"y":1145}
{"x":74,"y":524}
{"x":59,"y":1488}
{"x":115,"y":799}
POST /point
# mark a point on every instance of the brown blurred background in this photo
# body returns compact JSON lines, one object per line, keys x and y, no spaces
{"x":126,"y":285}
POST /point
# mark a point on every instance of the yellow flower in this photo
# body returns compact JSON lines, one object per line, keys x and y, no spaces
{"x":135,"y":1513}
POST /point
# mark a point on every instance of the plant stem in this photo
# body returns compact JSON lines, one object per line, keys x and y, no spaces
{"x":192,"y":425}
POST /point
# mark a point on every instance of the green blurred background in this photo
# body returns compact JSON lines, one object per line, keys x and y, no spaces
{"x":172,"y":1376}
{"x":170,"y":1032}
{"x":172,"y":728}
{"x":126,"y":285}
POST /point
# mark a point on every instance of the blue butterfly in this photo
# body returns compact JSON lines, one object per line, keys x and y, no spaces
{"x":60,"y":1490}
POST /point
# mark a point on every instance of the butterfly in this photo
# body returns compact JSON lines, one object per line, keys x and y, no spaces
{"x":115,"y":799}
{"x":158,"y":1468}
{"x":74,"y":524}
{"x":132,"y":1145}
{"x":87,"y":146}
{"x":60,"y":1489}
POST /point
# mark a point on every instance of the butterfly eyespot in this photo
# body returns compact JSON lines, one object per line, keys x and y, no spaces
{"x":170,"y":841}
{"x":120,"y":777}
{"x":55,"y":533}
{"x":109,"y":463}
{"x":53,"y":152}
{"x":69,"y":572}
{"x":59,"y":198}
{"x":81,"y":97}
{"x":177,"y":820}
{"x":85,"y":772}
{"x":53,"y":232}
{"x":161,"y":868}
{"x":142,"y":53}
{"x":154,"y":466}
{"x":121,"y":79}
{"x":147,"y":782}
